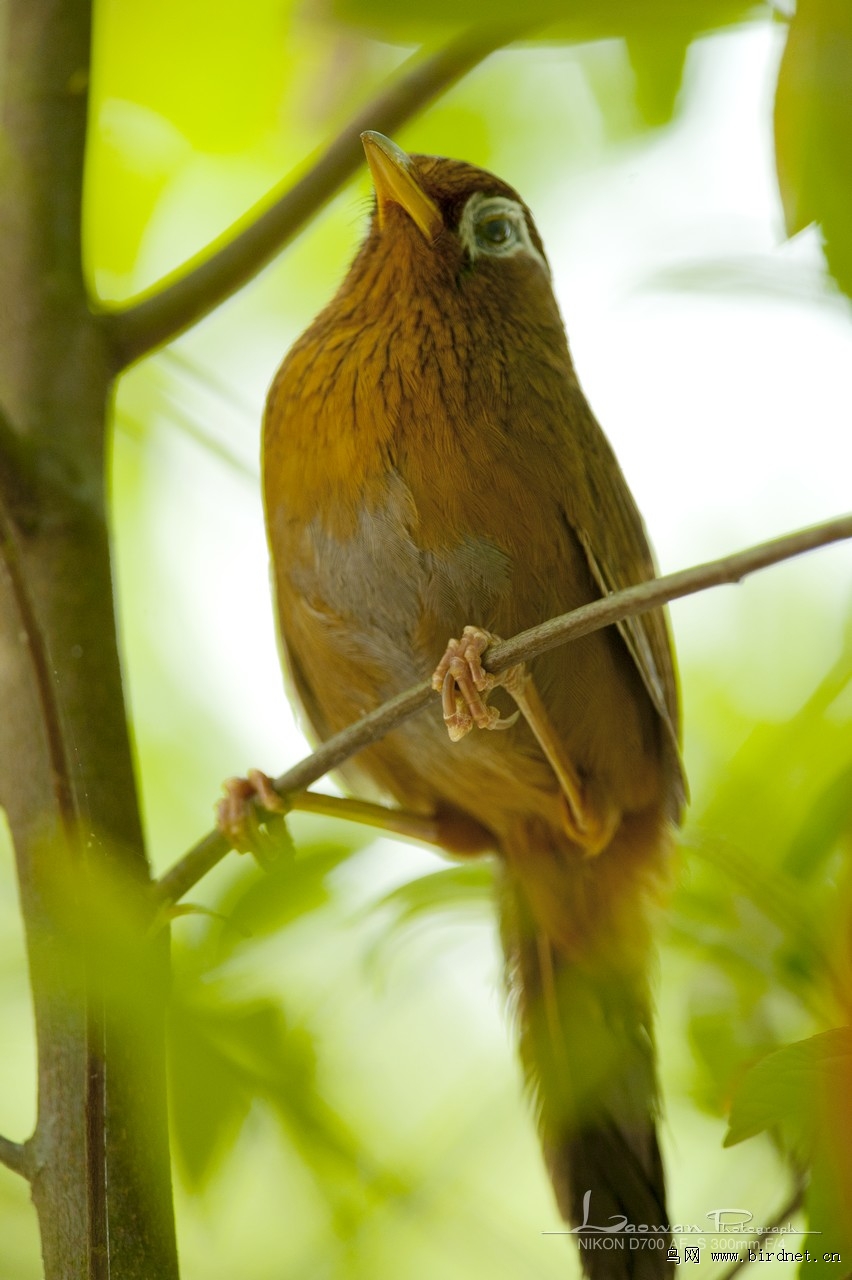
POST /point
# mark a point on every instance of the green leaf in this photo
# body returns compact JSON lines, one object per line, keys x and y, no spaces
{"x":788,"y":1090}
{"x":465,"y":889}
{"x":268,"y":901}
{"x":658,"y":64}
{"x":726,"y":1028}
{"x":223,"y":1058}
{"x":755,"y":898}
{"x":829,"y":819}
{"x":583,"y":20}
{"x":468,"y":885}
{"x":209,"y":1100}
{"x":813,"y":128}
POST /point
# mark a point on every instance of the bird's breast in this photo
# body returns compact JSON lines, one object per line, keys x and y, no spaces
{"x":396,"y":594}
{"x":411,"y":498}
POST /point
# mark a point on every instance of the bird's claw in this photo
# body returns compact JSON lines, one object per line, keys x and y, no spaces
{"x":239,"y":815}
{"x":461,"y":680}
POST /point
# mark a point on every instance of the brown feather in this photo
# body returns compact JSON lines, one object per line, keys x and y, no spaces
{"x":431,"y":462}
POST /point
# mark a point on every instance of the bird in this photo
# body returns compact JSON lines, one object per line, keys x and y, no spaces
{"x":434,"y":478}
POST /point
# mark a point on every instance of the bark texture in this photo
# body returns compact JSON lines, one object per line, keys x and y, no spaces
{"x":98,"y":1159}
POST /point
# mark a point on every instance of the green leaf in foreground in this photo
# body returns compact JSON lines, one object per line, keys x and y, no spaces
{"x":803,"y":1095}
{"x":786,"y":1090}
{"x":224,"y":1057}
{"x":813,"y":128}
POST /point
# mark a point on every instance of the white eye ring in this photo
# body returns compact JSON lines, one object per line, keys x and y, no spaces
{"x":507,"y":218}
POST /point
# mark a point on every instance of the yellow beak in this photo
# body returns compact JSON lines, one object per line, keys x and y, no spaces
{"x":395,"y":183}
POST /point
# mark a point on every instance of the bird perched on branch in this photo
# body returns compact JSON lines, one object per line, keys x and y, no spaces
{"x":433,"y":478}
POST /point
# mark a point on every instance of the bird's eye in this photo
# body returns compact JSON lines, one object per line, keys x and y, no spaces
{"x":496,"y":227}
{"x":495,"y":232}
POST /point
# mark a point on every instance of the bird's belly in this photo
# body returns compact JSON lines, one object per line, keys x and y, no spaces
{"x":367,"y":615}
{"x":381,"y":598}
{"x":342,"y":669}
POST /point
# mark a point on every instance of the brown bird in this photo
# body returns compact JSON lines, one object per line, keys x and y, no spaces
{"x":432,"y":471}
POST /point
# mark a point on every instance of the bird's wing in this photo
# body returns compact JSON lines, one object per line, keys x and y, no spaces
{"x":612,"y":534}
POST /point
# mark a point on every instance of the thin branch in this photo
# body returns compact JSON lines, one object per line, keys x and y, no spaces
{"x":650,"y":595}
{"x":783,"y":1215}
{"x":16,"y":1156}
{"x":236,"y":258}
{"x":527,"y":644}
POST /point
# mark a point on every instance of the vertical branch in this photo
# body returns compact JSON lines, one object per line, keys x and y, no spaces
{"x":99,"y":1154}
{"x":207,"y":281}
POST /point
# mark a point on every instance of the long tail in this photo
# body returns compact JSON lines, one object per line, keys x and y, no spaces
{"x":576,"y":934}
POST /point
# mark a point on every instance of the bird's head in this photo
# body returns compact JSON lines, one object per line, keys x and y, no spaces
{"x":451,"y":224}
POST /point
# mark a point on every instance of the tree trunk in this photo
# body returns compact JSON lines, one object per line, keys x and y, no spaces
{"x":98,"y":1160}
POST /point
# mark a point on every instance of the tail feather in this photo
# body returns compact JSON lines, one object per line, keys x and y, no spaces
{"x":578,"y":974}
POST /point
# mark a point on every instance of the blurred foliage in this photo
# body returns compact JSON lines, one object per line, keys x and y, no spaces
{"x":157,"y":115}
{"x":761,"y":913}
{"x":581,"y":22}
{"x":813,"y":128}
{"x":802,"y":1094}
{"x":657,"y":33}
{"x":305,"y":999}
{"x":768,"y":910}
{"x":229,"y":1053}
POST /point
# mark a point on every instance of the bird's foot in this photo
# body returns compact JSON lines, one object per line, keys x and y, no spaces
{"x":589,"y":818}
{"x":464,"y":685}
{"x":461,"y":680}
{"x":590,"y":827}
{"x":239,"y":815}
